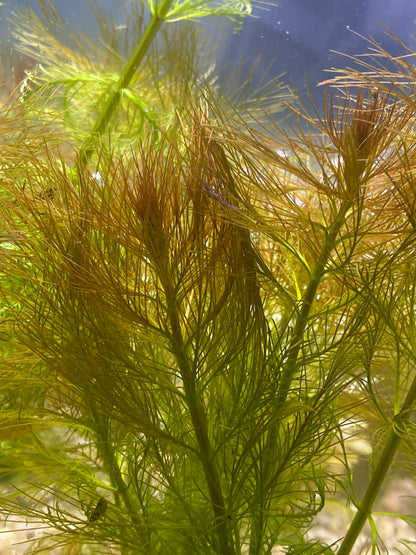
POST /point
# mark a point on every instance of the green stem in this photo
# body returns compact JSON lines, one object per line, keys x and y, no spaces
{"x":377,"y":480}
{"x":113,"y":469}
{"x":289,"y":368}
{"x":199,"y":423}
{"x":127,"y":73}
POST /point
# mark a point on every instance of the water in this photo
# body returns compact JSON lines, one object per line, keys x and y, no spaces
{"x":299,"y":37}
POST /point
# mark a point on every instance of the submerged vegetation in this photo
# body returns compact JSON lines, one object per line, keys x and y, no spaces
{"x":199,"y":311}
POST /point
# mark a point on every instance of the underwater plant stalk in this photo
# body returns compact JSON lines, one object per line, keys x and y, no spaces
{"x":116,"y":477}
{"x":127,"y":74}
{"x":365,"y":507}
{"x":199,"y":422}
{"x":289,"y":368}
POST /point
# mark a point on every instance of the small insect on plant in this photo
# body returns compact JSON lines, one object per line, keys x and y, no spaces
{"x":98,"y":511}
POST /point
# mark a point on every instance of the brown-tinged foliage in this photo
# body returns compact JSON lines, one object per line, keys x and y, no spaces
{"x":197,"y":312}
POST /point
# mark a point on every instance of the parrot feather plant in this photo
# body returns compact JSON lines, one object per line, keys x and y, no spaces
{"x":196,"y":311}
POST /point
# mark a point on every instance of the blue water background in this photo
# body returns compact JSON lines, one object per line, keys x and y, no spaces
{"x":301,"y":38}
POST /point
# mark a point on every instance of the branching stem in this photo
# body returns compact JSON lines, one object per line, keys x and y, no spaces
{"x":113,"y":469}
{"x":127,"y":74}
{"x":288,"y":370}
{"x":289,"y":367}
{"x":199,"y":422}
{"x":379,"y":475}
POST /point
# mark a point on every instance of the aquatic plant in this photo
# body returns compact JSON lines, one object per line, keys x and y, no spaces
{"x":197,"y":312}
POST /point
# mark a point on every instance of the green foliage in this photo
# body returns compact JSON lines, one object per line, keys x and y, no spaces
{"x":196,"y":313}
{"x":231,"y":11}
